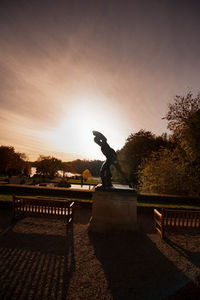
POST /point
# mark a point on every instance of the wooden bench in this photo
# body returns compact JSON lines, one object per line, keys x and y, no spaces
{"x":42,"y":206}
{"x":170,"y":218}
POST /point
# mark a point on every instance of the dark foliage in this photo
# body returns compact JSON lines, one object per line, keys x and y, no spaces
{"x":13,"y":163}
{"x":80,"y":165}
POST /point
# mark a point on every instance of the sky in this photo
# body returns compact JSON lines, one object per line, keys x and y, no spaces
{"x":70,"y":67}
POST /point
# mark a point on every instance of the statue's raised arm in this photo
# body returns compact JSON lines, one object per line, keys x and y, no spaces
{"x":99,"y":137}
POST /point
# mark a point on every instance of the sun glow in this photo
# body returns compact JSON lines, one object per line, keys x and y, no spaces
{"x":74,"y":133}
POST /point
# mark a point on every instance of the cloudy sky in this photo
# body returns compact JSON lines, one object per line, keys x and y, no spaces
{"x":68,"y":67}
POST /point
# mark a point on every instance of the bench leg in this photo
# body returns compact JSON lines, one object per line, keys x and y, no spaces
{"x":162,"y":234}
{"x":70,"y":216}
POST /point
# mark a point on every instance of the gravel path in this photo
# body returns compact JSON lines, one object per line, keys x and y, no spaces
{"x":41,"y":259}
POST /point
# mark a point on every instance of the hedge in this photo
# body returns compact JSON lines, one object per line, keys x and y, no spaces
{"x":168,"y":199}
{"x":44,"y":191}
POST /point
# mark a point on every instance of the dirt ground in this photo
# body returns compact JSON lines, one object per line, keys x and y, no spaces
{"x":40,"y":258}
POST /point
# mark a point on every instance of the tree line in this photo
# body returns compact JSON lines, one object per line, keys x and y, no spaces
{"x":49,"y":166}
{"x":167,"y":164}
{"x":14,"y":163}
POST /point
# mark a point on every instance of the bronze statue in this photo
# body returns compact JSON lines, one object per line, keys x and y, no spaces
{"x":111,"y":159}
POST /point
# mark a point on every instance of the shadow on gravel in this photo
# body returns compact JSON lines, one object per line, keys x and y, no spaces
{"x":36,"y":266}
{"x":191,"y":291}
{"x":82,"y":215}
{"x":186,"y":251}
{"x":134,"y":267}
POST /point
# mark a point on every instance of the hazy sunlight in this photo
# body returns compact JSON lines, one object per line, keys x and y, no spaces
{"x":74,"y":133}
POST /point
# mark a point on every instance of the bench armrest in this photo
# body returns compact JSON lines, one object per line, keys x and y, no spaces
{"x":157,"y":213}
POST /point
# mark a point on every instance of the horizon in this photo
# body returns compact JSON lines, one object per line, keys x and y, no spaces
{"x":67,"y":157}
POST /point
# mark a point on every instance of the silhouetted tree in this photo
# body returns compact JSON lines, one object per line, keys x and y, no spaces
{"x":66,"y":167}
{"x":13,"y":163}
{"x":137,"y":147}
{"x":80,"y":165}
{"x":180,"y":112}
{"x":48,"y":166}
{"x":178,"y":170}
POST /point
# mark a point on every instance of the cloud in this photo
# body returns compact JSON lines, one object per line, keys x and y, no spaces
{"x":136,"y":54}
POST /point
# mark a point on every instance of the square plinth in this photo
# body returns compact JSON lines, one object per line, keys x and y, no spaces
{"x":114,"y":209}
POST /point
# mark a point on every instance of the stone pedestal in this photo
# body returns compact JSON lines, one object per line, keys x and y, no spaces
{"x":114,"y":210}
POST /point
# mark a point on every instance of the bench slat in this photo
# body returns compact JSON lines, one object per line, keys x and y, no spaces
{"x":175,"y":218}
{"x":43,"y":206}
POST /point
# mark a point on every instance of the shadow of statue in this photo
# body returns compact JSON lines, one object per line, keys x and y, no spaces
{"x":35,"y":265}
{"x":134,"y":267}
{"x":82,"y":214}
{"x":184,"y":246}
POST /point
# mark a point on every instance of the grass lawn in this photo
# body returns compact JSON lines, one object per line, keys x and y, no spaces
{"x":70,"y":180}
{"x":5,"y":197}
{"x":166,"y":205}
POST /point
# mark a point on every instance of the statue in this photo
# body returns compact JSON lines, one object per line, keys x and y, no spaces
{"x":111,"y":159}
